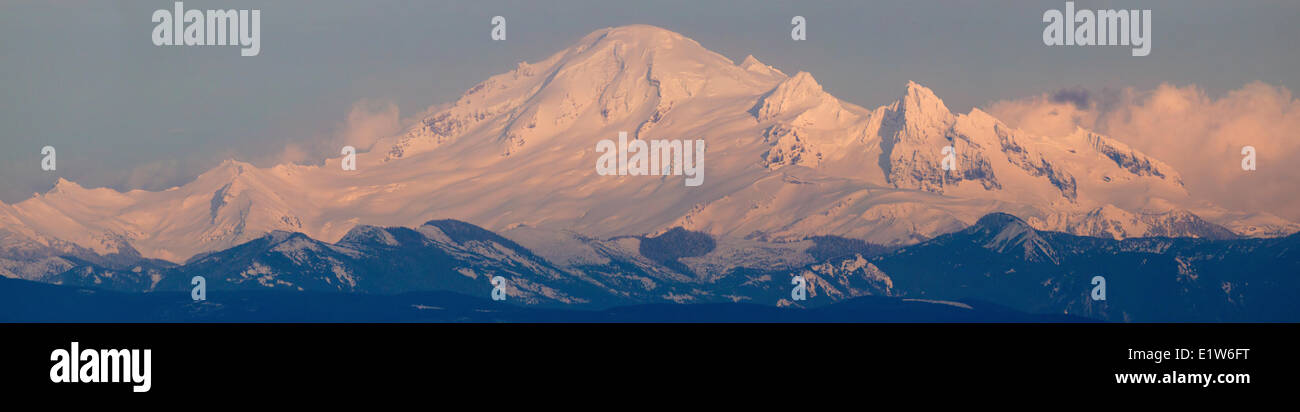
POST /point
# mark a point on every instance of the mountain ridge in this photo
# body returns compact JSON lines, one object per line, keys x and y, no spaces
{"x":1001,"y":260}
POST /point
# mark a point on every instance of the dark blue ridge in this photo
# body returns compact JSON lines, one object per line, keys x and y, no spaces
{"x":27,"y":301}
{"x":999,"y":261}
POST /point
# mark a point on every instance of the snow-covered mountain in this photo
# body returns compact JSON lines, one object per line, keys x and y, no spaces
{"x":785,"y":161}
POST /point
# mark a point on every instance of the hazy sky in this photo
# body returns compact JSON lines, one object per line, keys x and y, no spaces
{"x":86,"y":78}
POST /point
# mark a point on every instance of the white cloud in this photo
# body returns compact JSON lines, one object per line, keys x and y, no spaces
{"x":367,"y":121}
{"x":1199,"y":135}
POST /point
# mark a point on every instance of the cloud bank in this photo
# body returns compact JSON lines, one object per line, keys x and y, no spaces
{"x":1197,"y":134}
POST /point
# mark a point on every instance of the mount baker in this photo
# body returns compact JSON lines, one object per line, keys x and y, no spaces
{"x":787,"y":162}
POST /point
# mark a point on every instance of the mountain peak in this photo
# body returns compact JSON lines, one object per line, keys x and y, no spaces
{"x":638,"y":32}
{"x":233,"y":167}
{"x":804,"y":81}
{"x":68,"y":187}
{"x":361,"y":234}
{"x":464,"y":232}
{"x":638,"y":48}
{"x":64,"y":184}
{"x":920,"y":100}
{"x":998,"y":221}
{"x":800,"y":90}
{"x":1006,"y":233}
{"x":639,"y":37}
{"x":751,"y":64}
{"x":461,"y":231}
{"x":276,"y":237}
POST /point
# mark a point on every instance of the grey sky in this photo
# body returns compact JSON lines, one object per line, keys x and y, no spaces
{"x":85,"y":77}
